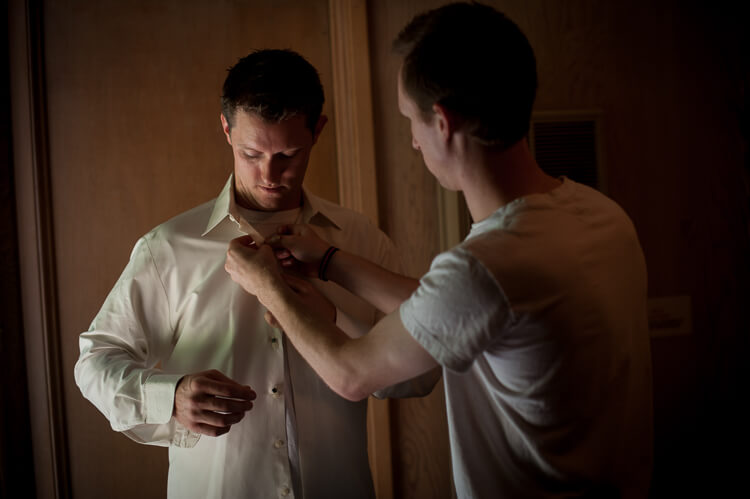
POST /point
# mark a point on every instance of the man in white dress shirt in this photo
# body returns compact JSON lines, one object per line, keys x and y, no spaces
{"x":179,"y":354}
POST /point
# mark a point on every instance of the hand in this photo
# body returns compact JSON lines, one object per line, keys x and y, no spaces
{"x":210,"y":403}
{"x":252,"y":267}
{"x":299,"y":247}
{"x":311,"y":297}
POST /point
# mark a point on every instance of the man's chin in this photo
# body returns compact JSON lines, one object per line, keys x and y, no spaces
{"x":276,"y":200}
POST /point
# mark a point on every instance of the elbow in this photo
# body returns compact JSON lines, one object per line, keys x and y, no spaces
{"x":352,"y":385}
{"x":353,"y":395}
{"x":347,"y":372}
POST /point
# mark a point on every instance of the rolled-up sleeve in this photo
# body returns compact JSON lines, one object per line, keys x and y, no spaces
{"x":457,"y":311}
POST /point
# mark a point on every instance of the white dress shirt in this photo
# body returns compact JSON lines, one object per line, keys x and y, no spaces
{"x":175,"y":311}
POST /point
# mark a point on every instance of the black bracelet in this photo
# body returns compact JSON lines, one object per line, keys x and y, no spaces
{"x":325,"y":261}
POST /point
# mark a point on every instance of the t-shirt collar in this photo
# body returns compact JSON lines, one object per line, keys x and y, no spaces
{"x":225,"y":208}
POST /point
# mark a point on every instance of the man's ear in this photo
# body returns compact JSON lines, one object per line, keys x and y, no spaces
{"x":447,"y":121}
{"x":319,"y":127}
{"x":225,"y":127}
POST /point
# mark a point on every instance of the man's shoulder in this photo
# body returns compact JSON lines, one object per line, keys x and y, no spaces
{"x":356,"y":233}
{"x":189,"y":223}
{"x":346,"y":219}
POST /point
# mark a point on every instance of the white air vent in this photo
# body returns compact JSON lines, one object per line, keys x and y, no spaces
{"x":568,"y":143}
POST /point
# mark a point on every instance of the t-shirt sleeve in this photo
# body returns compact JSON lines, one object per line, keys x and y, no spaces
{"x":458,"y":310}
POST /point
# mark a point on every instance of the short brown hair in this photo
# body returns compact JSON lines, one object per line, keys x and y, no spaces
{"x":474,"y":61}
{"x":274,"y":84}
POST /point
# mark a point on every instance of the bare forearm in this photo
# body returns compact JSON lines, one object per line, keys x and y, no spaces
{"x":353,"y":368}
{"x":319,"y":341}
{"x":382,"y":288}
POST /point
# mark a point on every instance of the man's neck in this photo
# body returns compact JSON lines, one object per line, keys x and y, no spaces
{"x":248,"y":203}
{"x":495,"y":178}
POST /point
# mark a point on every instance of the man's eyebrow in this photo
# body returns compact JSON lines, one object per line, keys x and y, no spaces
{"x":246,"y":148}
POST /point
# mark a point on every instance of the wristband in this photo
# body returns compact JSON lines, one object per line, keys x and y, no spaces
{"x":325,"y":261}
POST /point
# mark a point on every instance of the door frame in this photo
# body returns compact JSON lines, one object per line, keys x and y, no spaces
{"x":36,"y":249}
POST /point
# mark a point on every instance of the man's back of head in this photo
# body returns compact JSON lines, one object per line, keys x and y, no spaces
{"x":475,"y":62}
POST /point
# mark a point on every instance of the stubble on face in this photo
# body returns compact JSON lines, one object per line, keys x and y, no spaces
{"x":270,"y":161}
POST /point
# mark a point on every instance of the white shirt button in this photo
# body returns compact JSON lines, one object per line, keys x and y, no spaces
{"x":278,"y":444}
{"x":275,"y":342}
{"x":275,"y":392}
{"x":285,"y":491}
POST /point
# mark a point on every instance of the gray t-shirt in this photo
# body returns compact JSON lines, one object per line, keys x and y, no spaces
{"x":539,"y":320}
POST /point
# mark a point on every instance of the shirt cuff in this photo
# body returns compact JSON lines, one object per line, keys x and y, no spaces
{"x":159,"y":397}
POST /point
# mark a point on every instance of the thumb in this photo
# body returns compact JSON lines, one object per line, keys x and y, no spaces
{"x":285,"y":241}
{"x":242,"y":242}
{"x":246,"y":240}
{"x":271,"y":320}
{"x":293,"y":230}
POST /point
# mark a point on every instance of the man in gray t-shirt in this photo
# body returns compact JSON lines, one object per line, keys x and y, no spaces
{"x":538,"y":318}
{"x":542,"y":310}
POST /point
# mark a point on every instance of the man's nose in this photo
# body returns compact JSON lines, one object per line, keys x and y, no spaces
{"x":271,"y":170}
{"x":414,"y":143}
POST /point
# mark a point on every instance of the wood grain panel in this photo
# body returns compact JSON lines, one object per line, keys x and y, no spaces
{"x":353,"y":97}
{"x":135,"y":139}
{"x":407,"y":198}
{"x":357,"y":179}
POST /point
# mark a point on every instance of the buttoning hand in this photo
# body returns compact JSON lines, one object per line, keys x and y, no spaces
{"x":210,"y":403}
{"x":315,"y":301}
{"x":298,"y":247}
{"x":252,"y":267}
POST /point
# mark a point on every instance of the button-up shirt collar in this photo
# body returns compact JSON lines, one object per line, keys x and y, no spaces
{"x":226,"y":210}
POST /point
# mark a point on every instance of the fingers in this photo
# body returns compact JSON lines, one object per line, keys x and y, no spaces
{"x":239,"y":246}
{"x":285,"y":258}
{"x":209,"y":422}
{"x":210,"y":403}
{"x":282,"y":253}
{"x":216,"y":384}
{"x":226,"y":405}
{"x":245,"y":241}
{"x":201,"y":415}
{"x":271,"y":320}
{"x":252,"y":267}
{"x":297,"y":283}
{"x":236,"y":253}
{"x":295,"y":246}
{"x":292,"y":229}
{"x":286,"y":230}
